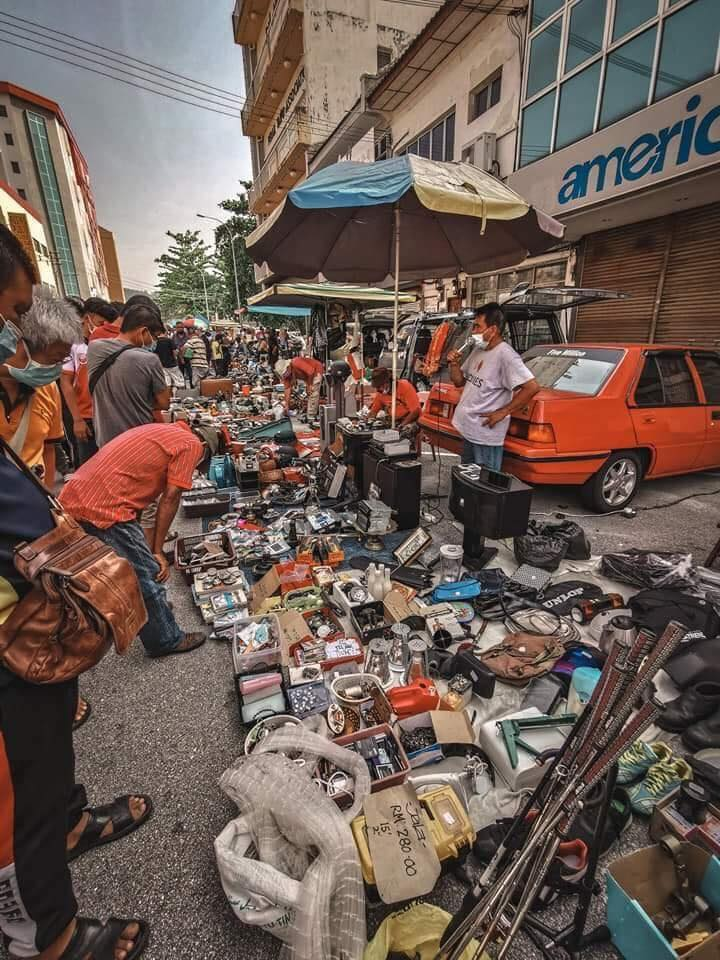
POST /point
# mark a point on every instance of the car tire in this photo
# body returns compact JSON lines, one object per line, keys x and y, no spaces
{"x":615,"y":483}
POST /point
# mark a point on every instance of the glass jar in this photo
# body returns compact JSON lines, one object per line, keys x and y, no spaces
{"x":451,"y":557}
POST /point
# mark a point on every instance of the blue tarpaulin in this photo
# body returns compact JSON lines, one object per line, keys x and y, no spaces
{"x":353,"y":184}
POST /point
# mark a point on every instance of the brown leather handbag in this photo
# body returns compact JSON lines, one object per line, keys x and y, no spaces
{"x":85,"y":598}
{"x":522,"y":656}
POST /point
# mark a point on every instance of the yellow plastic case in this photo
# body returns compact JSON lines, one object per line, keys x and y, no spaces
{"x":449,"y":825}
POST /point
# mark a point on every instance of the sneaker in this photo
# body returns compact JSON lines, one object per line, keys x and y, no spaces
{"x":637,"y":760}
{"x":660,"y":780}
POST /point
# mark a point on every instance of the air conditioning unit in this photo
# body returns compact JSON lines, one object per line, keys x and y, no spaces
{"x":482,"y":152}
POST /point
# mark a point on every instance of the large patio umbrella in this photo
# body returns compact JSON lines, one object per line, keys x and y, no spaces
{"x":407,"y":218}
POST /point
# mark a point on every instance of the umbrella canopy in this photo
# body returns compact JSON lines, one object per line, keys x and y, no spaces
{"x":454,"y":218}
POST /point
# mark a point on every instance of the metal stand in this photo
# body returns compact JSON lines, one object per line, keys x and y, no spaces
{"x":573,"y":939}
{"x":475,"y":554}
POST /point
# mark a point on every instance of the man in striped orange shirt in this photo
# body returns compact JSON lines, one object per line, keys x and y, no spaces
{"x":108,"y":494}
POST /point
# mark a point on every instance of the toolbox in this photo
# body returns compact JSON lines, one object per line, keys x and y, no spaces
{"x":449,"y":826}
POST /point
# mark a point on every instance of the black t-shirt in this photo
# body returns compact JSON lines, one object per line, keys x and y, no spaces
{"x":24,"y":515}
{"x":165,"y":352}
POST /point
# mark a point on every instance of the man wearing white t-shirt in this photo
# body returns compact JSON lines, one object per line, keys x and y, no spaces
{"x":495,"y":382}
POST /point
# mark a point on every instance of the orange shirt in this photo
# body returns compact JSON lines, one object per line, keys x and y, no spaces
{"x":106,"y":331}
{"x":131,"y":471}
{"x":76,"y":365}
{"x":45,"y":422}
{"x":306,"y":368}
{"x":407,"y":401}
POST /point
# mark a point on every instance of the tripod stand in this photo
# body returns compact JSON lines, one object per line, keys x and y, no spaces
{"x":572,"y":938}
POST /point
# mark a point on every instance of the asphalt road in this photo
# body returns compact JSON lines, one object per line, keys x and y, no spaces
{"x":169,"y":728}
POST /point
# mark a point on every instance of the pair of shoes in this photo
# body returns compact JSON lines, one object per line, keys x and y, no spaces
{"x":661,"y":773}
{"x":695,"y":714}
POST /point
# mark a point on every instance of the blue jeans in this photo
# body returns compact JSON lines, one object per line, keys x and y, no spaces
{"x":161,"y":632}
{"x":482,"y":454}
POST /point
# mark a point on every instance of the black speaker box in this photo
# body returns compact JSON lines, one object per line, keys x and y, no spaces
{"x":398,"y":479}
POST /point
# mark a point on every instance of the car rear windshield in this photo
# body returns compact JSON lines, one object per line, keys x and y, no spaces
{"x":573,"y":369}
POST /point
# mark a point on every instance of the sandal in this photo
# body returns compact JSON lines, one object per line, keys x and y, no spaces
{"x":118,"y":813}
{"x":85,"y":715}
{"x":97,"y":941}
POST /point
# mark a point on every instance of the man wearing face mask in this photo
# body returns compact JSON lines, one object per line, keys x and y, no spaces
{"x":495,"y":382}
{"x":126,"y":379}
{"x":17,"y":276}
{"x":29,"y":397}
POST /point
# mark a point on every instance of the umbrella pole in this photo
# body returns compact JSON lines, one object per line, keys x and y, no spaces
{"x":396,"y":233}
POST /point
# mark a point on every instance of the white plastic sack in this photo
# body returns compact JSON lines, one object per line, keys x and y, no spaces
{"x":259,"y":895}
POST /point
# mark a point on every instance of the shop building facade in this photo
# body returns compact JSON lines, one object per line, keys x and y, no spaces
{"x":302,"y":61}
{"x":41,"y":160}
{"x":620,"y":139}
{"x":27,"y":225}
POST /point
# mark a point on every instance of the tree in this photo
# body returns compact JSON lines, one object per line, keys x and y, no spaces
{"x":182,"y":270}
{"x":233,"y":232}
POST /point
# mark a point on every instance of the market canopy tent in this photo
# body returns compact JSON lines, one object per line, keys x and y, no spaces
{"x":408,"y":217}
{"x":309,"y":294}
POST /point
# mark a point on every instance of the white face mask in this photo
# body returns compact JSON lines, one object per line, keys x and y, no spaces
{"x":479,"y":341}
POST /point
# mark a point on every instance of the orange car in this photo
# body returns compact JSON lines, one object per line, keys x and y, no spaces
{"x":606,"y":416}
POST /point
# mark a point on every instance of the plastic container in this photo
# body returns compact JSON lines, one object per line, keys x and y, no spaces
{"x":268,"y":657}
{"x":451,"y":557}
{"x":582,"y":685}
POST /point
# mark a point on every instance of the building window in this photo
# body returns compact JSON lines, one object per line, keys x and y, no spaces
{"x":544,"y":50}
{"x":36,"y":245}
{"x":383,"y":144}
{"x":384,"y":58}
{"x":630,"y":14}
{"x":537,"y":124}
{"x":648,"y":50}
{"x":3,"y":111}
{"x":22,"y":193}
{"x":484,"y":96}
{"x":50,"y":190}
{"x":689,"y":47}
{"x":575,"y":120}
{"x":9,"y":140}
{"x":585,"y":36}
{"x":627,"y":78}
{"x":438,"y":143}
{"x":542,"y":9}
{"x":15,"y":166}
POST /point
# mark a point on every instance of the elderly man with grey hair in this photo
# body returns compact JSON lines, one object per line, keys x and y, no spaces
{"x":32,"y":424}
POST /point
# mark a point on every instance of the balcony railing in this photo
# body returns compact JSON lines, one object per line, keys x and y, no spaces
{"x":248,"y":18}
{"x":287,"y":154}
{"x":280,"y":49}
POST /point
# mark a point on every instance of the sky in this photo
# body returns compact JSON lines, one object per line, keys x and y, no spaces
{"x":154,"y":163}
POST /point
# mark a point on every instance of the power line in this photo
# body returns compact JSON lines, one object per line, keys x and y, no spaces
{"x":124,"y":56}
{"x":129,"y":83}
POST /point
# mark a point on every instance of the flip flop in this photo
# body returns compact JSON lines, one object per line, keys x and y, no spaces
{"x":118,"y":813}
{"x":85,"y":717}
{"x":97,"y":941}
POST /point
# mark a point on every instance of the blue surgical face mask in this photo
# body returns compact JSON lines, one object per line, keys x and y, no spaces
{"x":9,"y":338}
{"x":35,"y":374}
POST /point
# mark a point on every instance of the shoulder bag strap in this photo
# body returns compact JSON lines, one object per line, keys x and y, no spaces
{"x":23,"y":468}
{"x":104,"y":365}
{"x":17,"y":441}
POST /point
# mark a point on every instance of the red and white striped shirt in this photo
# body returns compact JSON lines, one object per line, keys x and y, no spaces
{"x":130,"y":472}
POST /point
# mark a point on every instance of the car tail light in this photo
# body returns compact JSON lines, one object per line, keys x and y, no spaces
{"x":533,"y":432}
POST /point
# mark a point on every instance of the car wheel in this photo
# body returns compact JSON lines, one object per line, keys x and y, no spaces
{"x":615,"y":483}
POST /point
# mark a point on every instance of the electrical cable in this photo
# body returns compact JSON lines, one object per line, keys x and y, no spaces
{"x":628,"y":511}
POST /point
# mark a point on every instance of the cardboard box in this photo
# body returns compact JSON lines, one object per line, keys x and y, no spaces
{"x":293,"y":629}
{"x":397,"y":606}
{"x":667,"y":819}
{"x":210,"y":387}
{"x":639,"y":886}
{"x":448,"y":727}
{"x":266,"y":587}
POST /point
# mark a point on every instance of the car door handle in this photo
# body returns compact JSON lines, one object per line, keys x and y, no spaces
{"x":649,"y":420}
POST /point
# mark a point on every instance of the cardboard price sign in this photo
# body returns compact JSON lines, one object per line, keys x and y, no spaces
{"x":404,"y":858}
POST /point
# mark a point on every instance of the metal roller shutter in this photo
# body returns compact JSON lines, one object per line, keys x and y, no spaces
{"x":629,"y":259}
{"x":690,"y":302}
{"x":670,"y":266}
